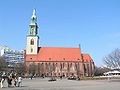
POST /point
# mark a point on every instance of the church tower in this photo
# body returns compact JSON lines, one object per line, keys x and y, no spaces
{"x":32,"y":36}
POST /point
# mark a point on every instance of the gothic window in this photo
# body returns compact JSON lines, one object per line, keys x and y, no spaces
{"x":31,"y":50}
{"x":32,"y":42}
{"x":70,"y":65}
{"x":63,"y":65}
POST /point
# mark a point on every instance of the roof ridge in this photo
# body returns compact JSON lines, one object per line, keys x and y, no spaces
{"x":60,"y":47}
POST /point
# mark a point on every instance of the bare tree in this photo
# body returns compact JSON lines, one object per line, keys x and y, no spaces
{"x":19,"y":68}
{"x":32,"y":68}
{"x":3,"y":63}
{"x":100,"y":70}
{"x":113,"y":59}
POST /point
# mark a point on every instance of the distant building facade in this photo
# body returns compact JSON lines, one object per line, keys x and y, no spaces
{"x":12,"y":56}
{"x":54,"y":61}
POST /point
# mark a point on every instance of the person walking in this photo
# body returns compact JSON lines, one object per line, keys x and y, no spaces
{"x":15,"y":81}
{"x":2,"y":79}
{"x":19,"y":81}
{"x":9,"y":80}
{"x":31,"y":76}
{"x":1,"y":83}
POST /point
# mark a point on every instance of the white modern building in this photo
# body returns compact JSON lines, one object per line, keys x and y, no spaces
{"x":12,"y":56}
{"x":112,"y":73}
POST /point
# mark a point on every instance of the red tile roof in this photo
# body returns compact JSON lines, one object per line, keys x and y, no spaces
{"x":58,"y":54}
{"x":87,"y":58}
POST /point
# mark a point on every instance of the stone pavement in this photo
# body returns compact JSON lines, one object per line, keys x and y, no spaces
{"x":64,"y":84}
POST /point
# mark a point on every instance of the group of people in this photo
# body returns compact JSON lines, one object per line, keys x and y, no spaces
{"x":12,"y":80}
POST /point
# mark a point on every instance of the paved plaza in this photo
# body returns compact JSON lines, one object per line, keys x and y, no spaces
{"x":64,"y":84}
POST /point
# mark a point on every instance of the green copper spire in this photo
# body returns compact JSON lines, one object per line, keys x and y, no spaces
{"x":34,"y":17}
{"x":33,"y":25}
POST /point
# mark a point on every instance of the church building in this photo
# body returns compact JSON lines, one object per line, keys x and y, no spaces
{"x":54,"y":61}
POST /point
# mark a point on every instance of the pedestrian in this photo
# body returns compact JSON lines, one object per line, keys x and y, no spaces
{"x":19,"y":81}
{"x":15,"y":81}
{"x":9,"y":80}
{"x":2,"y":79}
{"x":61,"y":77}
{"x":31,"y":76}
{"x":2,"y":82}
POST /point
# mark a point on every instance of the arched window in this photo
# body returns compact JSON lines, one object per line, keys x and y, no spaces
{"x":32,"y":42}
{"x":31,"y":50}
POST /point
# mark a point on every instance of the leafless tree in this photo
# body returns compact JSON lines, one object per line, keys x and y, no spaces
{"x":3,"y":63}
{"x":100,"y":70}
{"x":32,"y":68}
{"x":113,"y":59}
{"x":19,"y":68}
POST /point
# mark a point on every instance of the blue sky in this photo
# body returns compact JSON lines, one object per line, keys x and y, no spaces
{"x":95,"y":24}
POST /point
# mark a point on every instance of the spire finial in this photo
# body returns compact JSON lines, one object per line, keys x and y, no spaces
{"x":34,"y":12}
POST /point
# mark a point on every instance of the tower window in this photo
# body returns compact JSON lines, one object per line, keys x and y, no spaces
{"x":32,"y":42}
{"x":31,"y":50}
